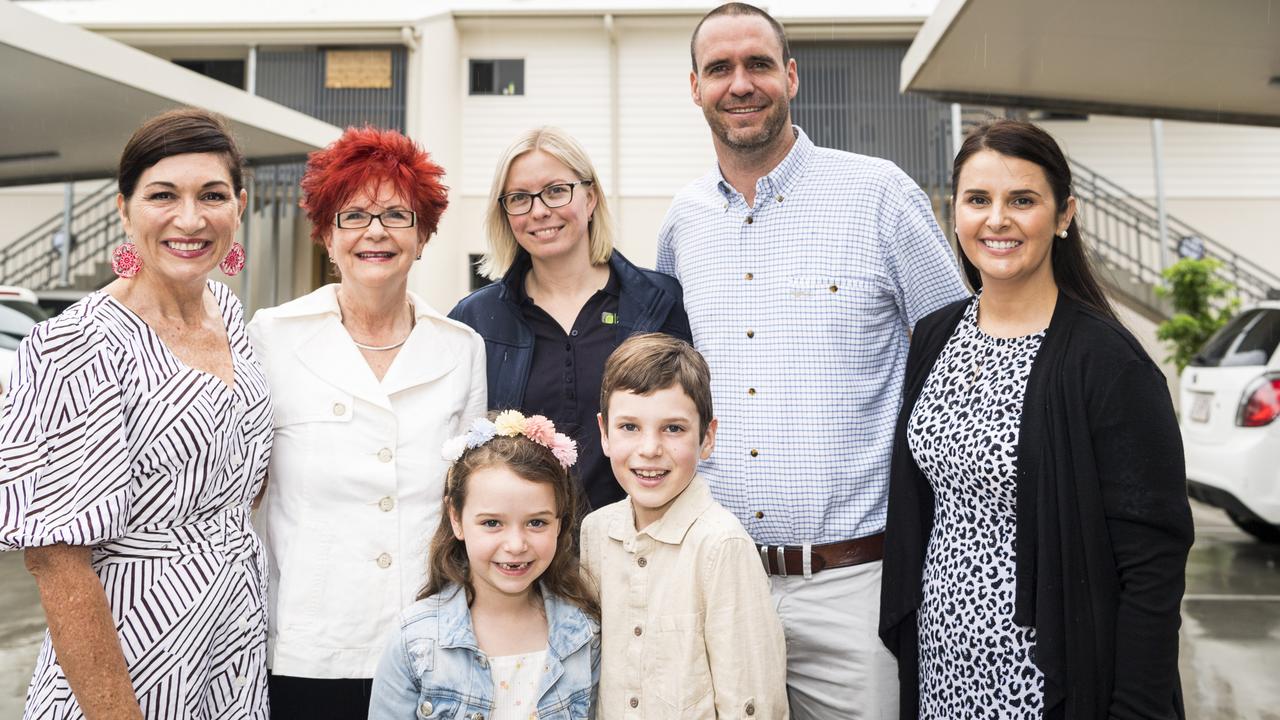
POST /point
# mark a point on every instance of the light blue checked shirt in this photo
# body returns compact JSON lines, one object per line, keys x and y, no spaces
{"x":802,"y":306}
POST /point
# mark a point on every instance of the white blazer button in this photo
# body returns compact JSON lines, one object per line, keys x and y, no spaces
{"x":339,"y":409}
{"x":385,"y":455}
{"x":384,"y":561}
{"x":425,"y":709}
{"x":385,"y":504}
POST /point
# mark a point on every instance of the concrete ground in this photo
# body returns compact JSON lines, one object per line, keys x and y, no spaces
{"x":1230,"y":634}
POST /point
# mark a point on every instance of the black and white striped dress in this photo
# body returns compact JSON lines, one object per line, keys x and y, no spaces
{"x":108,"y":440}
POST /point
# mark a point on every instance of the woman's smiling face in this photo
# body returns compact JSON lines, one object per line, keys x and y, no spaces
{"x":550,"y":233}
{"x":375,"y":255}
{"x":1006,"y":218}
{"x":182,"y":217}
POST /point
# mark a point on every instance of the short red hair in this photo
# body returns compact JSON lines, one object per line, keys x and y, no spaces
{"x":364,"y":158}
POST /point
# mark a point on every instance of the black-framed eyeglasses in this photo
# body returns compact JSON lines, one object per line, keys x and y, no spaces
{"x":552,"y":196}
{"x":355,"y":219}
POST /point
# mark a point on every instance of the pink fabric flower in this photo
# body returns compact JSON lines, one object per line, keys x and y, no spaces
{"x":565,"y":449}
{"x":540,"y":430}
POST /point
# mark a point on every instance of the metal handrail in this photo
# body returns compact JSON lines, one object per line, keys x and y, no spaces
{"x":1138,"y":224}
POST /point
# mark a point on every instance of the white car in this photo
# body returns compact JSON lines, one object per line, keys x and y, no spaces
{"x":14,"y":325}
{"x":1230,"y":428}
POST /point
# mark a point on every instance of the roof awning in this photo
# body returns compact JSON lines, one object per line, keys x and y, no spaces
{"x":1177,"y":59}
{"x":70,"y":99}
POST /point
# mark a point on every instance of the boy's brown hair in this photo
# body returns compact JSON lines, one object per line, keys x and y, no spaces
{"x":649,"y":362}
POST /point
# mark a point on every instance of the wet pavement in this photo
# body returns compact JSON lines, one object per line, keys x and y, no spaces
{"x":1230,"y":653}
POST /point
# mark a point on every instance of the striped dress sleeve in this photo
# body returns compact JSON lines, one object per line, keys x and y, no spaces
{"x":64,"y":456}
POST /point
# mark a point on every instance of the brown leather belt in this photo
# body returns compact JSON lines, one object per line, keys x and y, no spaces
{"x":789,"y":559}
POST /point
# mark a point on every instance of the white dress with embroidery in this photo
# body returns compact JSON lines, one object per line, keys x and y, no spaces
{"x":517,"y":680}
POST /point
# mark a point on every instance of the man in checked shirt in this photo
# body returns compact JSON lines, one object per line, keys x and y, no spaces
{"x":804,"y":270}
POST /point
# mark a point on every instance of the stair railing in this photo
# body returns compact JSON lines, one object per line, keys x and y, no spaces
{"x":1124,"y":229}
{"x":33,"y":261}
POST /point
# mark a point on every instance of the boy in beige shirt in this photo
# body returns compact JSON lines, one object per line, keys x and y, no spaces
{"x":689,"y":630}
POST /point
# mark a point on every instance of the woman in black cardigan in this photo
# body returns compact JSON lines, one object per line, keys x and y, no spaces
{"x":1038,"y":522}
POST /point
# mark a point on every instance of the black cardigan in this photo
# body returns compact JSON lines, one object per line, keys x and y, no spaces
{"x":1103,"y":523}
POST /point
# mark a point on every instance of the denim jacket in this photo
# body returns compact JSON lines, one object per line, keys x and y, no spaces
{"x":648,"y":302}
{"x":435,"y":669}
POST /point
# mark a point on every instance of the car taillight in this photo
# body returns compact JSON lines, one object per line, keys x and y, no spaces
{"x":1261,"y":403}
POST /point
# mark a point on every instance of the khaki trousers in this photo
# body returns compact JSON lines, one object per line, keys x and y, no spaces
{"x":837,"y":667}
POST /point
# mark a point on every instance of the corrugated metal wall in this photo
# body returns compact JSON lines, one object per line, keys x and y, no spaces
{"x":295,"y":78}
{"x":849,"y":100}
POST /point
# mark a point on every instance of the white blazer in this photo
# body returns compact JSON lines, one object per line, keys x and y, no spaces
{"x":356,"y":477}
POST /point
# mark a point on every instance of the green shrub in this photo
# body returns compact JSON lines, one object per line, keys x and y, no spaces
{"x":1202,"y":303}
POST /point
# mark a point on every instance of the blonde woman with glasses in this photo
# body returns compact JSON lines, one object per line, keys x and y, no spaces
{"x":563,"y":298}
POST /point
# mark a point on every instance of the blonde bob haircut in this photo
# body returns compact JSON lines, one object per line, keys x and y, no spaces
{"x":560,"y":145}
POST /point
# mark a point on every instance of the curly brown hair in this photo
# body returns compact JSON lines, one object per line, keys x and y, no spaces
{"x":447,"y":563}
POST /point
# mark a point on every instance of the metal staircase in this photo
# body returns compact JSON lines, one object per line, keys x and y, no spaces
{"x":32,"y":260}
{"x":1123,"y":231}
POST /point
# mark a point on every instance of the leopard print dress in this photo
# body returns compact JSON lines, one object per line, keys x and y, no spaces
{"x":963,"y":433}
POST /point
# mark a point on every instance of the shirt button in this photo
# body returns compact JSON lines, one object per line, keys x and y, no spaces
{"x":339,"y":409}
{"x":751,"y":391}
{"x":759,"y":514}
{"x":635,"y":702}
{"x":750,"y":707}
{"x":755,"y":452}
{"x":243,"y":624}
{"x":384,"y":561}
{"x":574,"y":332}
{"x":568,"y":362}
{"x":241,"y":681}
{"x":642,"y":561}
{"x":750,"y":220}
{"x":780,"y":198}
{"x":484,"y":661}
{"x":751,"y":333}
{"x":568,"y":346}
{"x":833,"y":288}
{"x":425,"y":708}
{"x":386,"y":503}
{"x":750,"y":276}
{"x":638,"y":631}
{"x":385,"y":455}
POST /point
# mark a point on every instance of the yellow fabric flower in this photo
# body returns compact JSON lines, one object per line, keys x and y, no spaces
{"x":509,"y":423}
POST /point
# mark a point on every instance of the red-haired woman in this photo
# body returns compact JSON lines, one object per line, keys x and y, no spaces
{"x":368,"y":382}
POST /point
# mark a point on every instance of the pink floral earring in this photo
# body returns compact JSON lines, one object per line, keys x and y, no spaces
{"x":125,"y":261}
{"x":233,"y":263}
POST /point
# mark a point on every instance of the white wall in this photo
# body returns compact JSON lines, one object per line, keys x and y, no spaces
{"x":1223,"y":180}
{"x":662,"y":140}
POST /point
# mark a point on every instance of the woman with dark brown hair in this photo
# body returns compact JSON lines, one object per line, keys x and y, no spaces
{"x":135,"y":438}
{"x":1038,"y":521}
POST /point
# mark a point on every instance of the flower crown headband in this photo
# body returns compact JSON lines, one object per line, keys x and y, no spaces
{"x":511,"y":423}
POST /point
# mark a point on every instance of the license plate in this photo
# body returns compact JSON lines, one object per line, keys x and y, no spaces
{"x":1200,"y":407}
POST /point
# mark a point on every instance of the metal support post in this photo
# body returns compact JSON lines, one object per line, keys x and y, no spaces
{"x":1157,"y":159}
{"x":64,"y":250}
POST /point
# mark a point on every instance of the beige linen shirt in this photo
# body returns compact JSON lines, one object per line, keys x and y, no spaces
{"x":689,"y":629}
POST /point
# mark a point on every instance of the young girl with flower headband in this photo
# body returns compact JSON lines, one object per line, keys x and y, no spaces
{"x":505,"y":628}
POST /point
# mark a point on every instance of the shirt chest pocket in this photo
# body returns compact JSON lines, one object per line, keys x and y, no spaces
{"x":434,"y":705}
{"x":680,"y":661}
{"x":311,"y":421}
{"x":841,"y":301}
